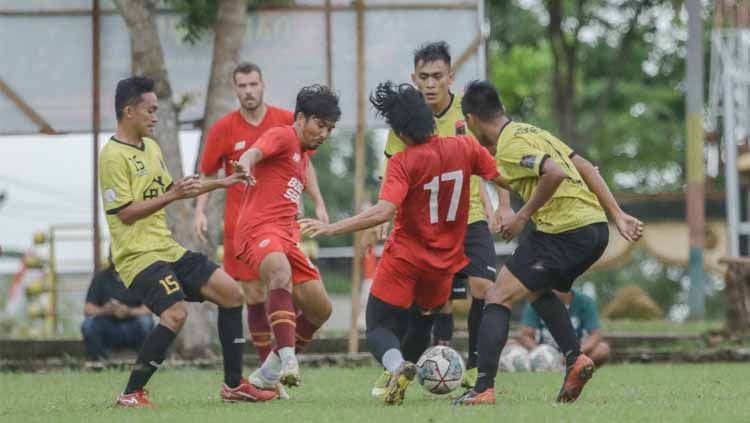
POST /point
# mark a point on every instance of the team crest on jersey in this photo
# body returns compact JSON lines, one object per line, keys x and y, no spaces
{"x":296,"y":157}
{"x":528,"y":161}
{"x":264,"y":243}
{"x":239,"y":145}
{"x":110,"y":195}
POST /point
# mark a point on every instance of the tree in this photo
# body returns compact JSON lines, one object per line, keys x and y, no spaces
{"x":148,"y":60}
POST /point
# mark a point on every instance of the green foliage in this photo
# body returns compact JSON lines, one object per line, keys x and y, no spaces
{"x":621,"y":393}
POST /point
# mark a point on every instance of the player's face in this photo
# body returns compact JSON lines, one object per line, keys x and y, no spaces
{"x":479,"y":132}
{"x":314,"y":131}
{"x":433,"y":79}
{"x":142,"y":116}
{"x":248,"y":87}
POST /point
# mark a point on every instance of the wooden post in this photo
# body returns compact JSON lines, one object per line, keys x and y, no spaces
{"x":737,"y":292}
{"x":95,"y":29}
{"x":359,"y":176}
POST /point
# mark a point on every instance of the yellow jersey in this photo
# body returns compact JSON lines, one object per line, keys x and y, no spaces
{"x":449,"y":123}
{"x":126,"y":174}
{"x":521,"y":150}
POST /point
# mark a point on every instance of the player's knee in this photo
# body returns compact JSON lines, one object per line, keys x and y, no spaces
{"x":175,"y":316}
{"x":89,"y":326}
{"x":601,"y":353}
{"x":235,"y":297}
{"x":254,"y":293}
{"x":280,"y":279}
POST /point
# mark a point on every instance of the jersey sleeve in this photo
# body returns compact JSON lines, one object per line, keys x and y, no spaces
{"x":273,"y":143}
{"x":396,"y":184}
{"x":530,"y":318}
{"x":484,"y":165}
{"x":590,"y":317}
{"x":115,"y":184}
{"x":212,"y":157}
{"x":519,"y":159}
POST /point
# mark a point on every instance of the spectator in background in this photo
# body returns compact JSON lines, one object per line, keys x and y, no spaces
{"x":585,"y":319}
{"x":114,"y":320}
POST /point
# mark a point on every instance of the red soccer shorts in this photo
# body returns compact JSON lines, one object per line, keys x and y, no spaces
{"x":399,"y":283}
{"x":235,"y":268}
{"x":252,"y":251}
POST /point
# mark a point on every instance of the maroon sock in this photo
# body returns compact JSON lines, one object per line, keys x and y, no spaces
{"x":281,"y":317}
{"x":260,"y":330}
{"x":305,"y":332}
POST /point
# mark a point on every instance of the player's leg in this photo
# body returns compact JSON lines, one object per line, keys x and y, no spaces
{"x":417,"y":337}
{"x":442,"y":327}
{"x":309,"y":296}
{"x":493,"y":334}
{"x":160,"y":290}
{"x":203,"y":280}
{"x":257,"y":317}
{"x":478,"y":287}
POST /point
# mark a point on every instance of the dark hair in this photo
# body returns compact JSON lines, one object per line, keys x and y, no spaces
{"x":129,"y":92}
{"x":405,"y":110}
{"x":246,"y":68}
{"x":431,"y":52}
{"x":318,"y":101}
{"x":481,"y":100}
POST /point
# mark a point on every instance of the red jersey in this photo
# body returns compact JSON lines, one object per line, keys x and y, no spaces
{"x":274,"y":200}
{"x":227,"y":139}
{"x":429,"y":183}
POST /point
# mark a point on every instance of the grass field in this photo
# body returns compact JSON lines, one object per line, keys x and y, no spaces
{"x":620,"y":393}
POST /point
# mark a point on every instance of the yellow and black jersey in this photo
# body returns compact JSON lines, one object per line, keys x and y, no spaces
{"x":448,"y":124}
{"x":521,"y":151}
{"x":128,"y":173}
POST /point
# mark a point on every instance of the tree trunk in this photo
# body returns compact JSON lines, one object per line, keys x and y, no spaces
{"x":229,"y":32}
{"x":199,"y":331}
{"x":737,"y":293}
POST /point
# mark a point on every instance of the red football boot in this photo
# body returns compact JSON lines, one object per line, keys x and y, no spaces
{"x":137,"y":399}
{"x":575,"y":378}
{"x":245,"y":391}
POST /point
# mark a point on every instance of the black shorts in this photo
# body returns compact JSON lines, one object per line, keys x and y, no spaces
{"x":163,"y":284}
{"x":545,"y":261}
{"x":479,"y":247}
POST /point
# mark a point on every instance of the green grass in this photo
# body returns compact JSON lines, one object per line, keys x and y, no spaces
{"x":622,"y":393}
{"x":660,"y":326}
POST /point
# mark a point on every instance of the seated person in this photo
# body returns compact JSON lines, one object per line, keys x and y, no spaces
{"x":585,"y":319}
{"x":114,"y":320}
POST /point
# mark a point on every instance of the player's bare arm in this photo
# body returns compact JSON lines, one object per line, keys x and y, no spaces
{"x":210,"y":184}
{"x":245,"y":164}
{"x":200,"y":221}
{"x":629,"y":227}
{"x":381,"y":212}
{"x":186,"y":187}
{"x":313,"y":190}
{"x":552,"y":176}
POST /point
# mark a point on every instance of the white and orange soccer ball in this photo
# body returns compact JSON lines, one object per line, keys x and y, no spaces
{"x":440,"y":370}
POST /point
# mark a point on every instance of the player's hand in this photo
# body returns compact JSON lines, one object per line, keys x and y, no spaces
{"x":502,"y":214}
{"x":234,"y":178}
{"x":200,"y":226}
{"x":629,"y":227}
{"x":186,"y":187}
{"x":321,"y":213}
{"x":382,"y":231}
{"x":237,"y":167}
{"x":314,"y":227}
{"x":511,"y":226}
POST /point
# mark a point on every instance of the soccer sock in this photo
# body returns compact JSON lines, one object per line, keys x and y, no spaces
{"x":392,"y":359}
{"x":493,"y":333}
{"x":417,"y":337}
{"x":232,"y":340}
{"x":304,"y":333}
{"x":475,"y":319}
{"x":557,"y":319}
{"x":260,"y":330}
{"x":152,"y":354}
{"x":282,"y":318}
{"x":442,"y":329}
{"x":383,"y":320}
{"x":271,"y":368}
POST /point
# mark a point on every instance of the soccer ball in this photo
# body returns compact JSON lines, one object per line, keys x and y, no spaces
{"x":514,"y":358}
{"x":545,"y":358}
{"x":440,"y":370}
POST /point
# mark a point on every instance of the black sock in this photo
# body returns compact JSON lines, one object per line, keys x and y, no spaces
{"x":232,"y":344}
{"x":152,"y":354}
{"x":493,"y":333}
{"x":417,"y":337}
{"x":557,"y":319}
{"x":442,"y":330}
{"x":475,"y":319}
{"x":383,"y":322}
